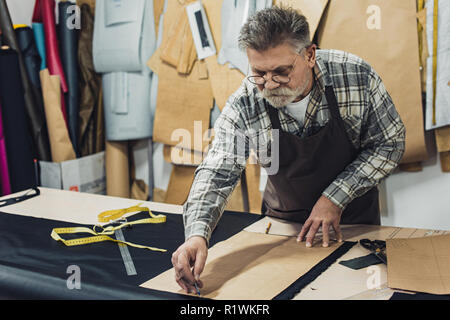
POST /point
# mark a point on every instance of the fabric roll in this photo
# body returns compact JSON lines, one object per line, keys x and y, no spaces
{"x":68,"y":38}
{"x":15,"y":125}
{"x":61,"y":146}
{"x":51,"y":41}
{"x":90,"y":122}
{"x":5,"y":186}
{"x":33,"y":99}
{"x":39,"y":38}
{"x":99,"y":129}
{"x":37,"y":15}
{"x":30,"y":53}
{"x":117,"y":169}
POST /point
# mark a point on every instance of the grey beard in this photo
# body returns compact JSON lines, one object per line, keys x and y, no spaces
{"x":281,"y":97}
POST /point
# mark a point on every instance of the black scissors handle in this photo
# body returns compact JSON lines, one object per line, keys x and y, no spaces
{"x":26,"y":196}
{"x":377,"y":247}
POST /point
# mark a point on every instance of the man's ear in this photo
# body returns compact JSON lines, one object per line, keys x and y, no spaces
{"x":311,"y":55}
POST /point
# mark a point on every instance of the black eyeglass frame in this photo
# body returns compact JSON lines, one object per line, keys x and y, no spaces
{"x":273,"y":78}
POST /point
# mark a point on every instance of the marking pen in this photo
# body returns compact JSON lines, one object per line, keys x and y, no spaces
{"x":268,"y":227}
{"x":196,"y":288}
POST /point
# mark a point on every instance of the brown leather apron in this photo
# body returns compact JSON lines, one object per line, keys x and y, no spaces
{"x":307,"y":166}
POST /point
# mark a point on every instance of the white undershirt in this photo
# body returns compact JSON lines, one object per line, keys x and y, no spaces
{"x":298,"y":109}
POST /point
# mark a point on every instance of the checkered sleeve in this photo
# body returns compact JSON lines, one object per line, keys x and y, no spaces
{"x":382,"y":147}
{"x":218,"y":174}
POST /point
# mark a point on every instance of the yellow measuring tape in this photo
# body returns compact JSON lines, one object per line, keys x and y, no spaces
{"x":103,"y":234}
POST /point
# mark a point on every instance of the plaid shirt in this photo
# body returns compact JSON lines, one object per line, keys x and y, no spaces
{"x":370,"y":118}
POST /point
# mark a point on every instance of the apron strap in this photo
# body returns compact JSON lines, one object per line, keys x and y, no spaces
{"x":273,"y":114}
{"x":332,"y":103}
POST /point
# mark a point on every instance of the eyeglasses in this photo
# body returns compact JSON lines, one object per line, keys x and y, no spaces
{"x":277,"y":78}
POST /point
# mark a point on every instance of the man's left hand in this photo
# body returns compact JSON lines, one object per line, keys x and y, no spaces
{"x":324,"y":213}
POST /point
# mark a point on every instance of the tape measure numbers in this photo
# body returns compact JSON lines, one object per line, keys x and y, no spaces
{"x":103,"y":234}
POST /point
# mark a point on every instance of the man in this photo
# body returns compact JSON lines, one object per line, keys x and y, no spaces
{"x":339,"y":135}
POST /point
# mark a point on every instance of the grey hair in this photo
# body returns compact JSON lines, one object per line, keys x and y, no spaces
{"x":273,"y":26}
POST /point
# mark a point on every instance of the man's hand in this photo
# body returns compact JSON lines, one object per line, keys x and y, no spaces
{"x":324,"y":213}
{"x":191,"y":254}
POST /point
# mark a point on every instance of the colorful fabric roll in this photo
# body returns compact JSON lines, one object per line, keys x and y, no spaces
{"x":15,"y":125}
{"x":68,"y":40}
{"x":39,"y":38}
{"x":30,"y":53}
{"x":5,"y":186}
{"x":91,"y":123}
{"x":51,"y":41}
{"x":33,"y":99}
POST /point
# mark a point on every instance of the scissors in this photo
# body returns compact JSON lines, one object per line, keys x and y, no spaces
{"x":26,"y":196}
{"x":377,"y":247}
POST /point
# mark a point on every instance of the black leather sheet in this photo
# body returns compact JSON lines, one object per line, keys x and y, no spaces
{"x":34,"y":266}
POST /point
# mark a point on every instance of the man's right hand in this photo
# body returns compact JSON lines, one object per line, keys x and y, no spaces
{"x":188,"y":261}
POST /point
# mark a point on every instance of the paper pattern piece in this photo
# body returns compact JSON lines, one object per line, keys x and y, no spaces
{"x":234,"y":15}
{"x":126,"y":87}
{"x":224,"y":80}
{"x":200,"y":30}
{"x":419,"y":264}
{"x":250,"y":266}
{"x":117,"y":38}
{"x":383,"y":33}
{"x":180,"y":183}
{"x":442,"y":107}
{"x":353,"y":284}
{"x":182,"y":114}
{"x":312,"y":10}
{"x":179,"y":44}
{"x":351,"y":232}
{"x":126,"y":105}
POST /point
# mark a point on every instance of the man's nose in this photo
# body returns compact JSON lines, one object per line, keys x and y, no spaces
{"x":270,"y":84}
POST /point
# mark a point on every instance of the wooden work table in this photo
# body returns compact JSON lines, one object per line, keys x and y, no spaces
{"x":337,"y":282}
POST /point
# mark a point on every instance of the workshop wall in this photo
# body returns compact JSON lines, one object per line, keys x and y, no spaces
{"x":416,"y":195}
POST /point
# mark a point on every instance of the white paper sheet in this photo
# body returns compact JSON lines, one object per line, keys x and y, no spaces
{"x":443,"y":66}
{"x":121,"y":41}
